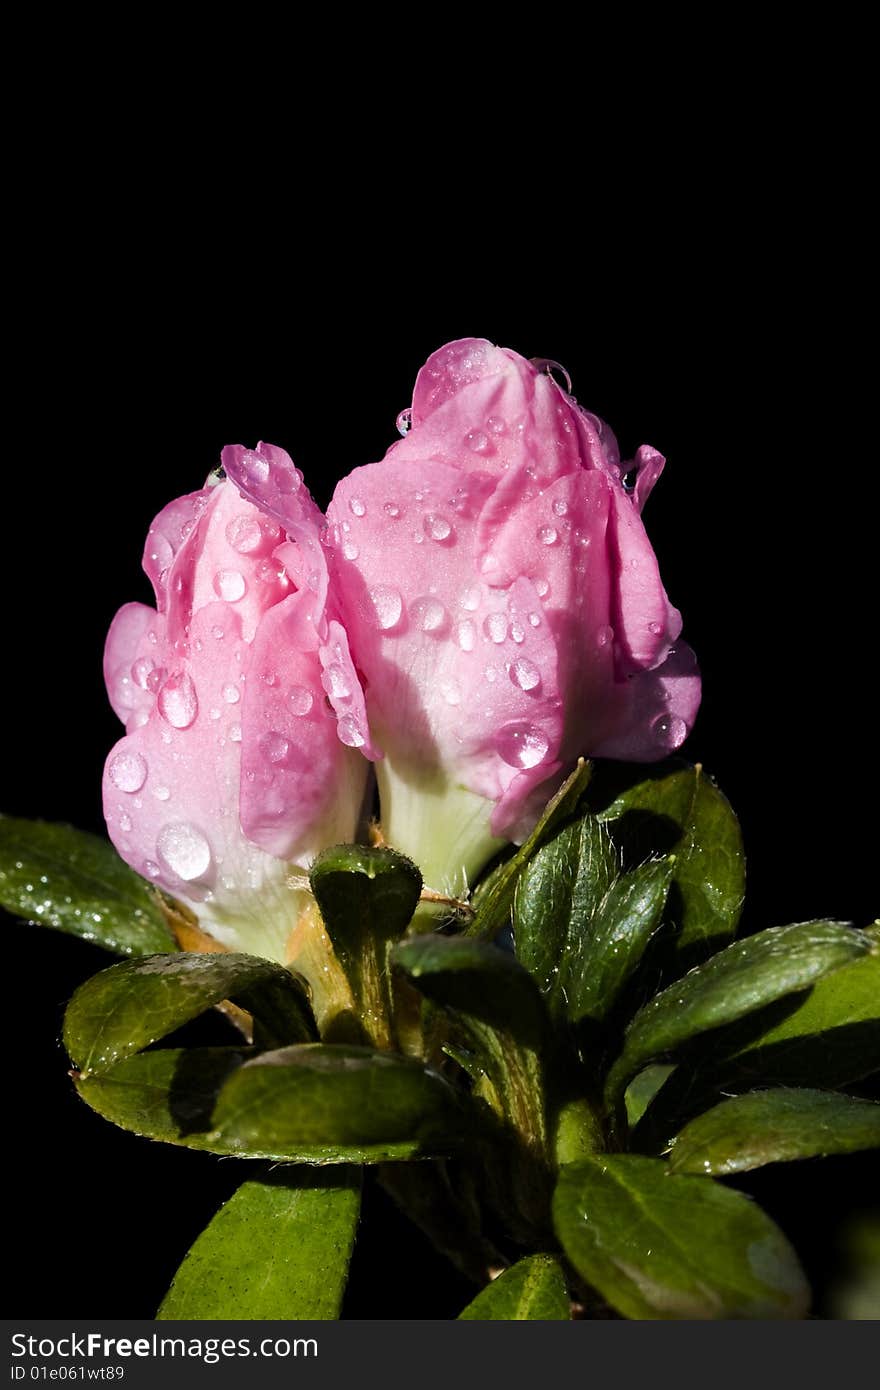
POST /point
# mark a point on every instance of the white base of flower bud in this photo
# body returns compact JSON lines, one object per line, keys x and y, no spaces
{"x":442,"y":827}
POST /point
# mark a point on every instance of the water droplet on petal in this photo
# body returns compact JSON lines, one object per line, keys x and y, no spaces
{"x":231,"y":694}
{"x":350,"y":733}
{"x":217,"y":632}
{"x":391,"y":509}
{"x":517,"y":632}
{"x":140,"y":671}
{"x":235,"y":733}
{"x":604,"y":636}
{"x":525,"y":674}
{"x":229,"y":585}
{"x":451,"y":692}
{"x":656,"y":628}
{"x":124,"y":825}
{"x":301,"y":700}
{"x":495,"y":627}
{"x":387,"y":606}
{"x":466,"y":634}
{"x":471,"y":599}
{"x":151,"y":869}
{"x":356,"y":507}
{"x":489,"y":563}
{"x":491,"y":673}
{"x":548,"y":367}
{"x":671,"y":730}
{"x":560,"y":506}
{"x":350,"y":550}
{"x":495,"y":425}
{"x":127,"y":771}
{"x":155,"y":679}
{"x":547,"y":535}
{"x":214,"y":712}
{"x":522,"y":745}
{"x":477,"y":441}
{"x":178,"y":702}
{"x":243,"y":534}
{"x":430,"y":615}
{"x":542,"y":588}
{"x":274,"y":746}
{"x":437,"y":527}
{"x":534,"y":619}
{"x":404,"y":421}
{"x":335,"y":682}
{"x":184,"y":850}
{"x":161,"y":793}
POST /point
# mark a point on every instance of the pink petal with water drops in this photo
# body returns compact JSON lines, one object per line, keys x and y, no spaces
{"x":656,"y":710}
{"x":342,"y":685}
{"x":649,"y":464}
{"x":168,"y":533}
{"x":131,"y":660}
{"x":292,"y":759}
{"x":644,"y":621}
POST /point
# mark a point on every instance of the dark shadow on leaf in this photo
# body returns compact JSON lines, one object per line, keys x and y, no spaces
{"x":198,"y":1078}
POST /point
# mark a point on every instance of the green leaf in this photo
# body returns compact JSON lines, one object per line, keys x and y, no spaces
{"x":63,"y":878}
{"x":477,"y":979}
{"x":739,"y":980}
{"x":580,"y":924}
{"x":773,"y":1127}
{"x":367,"y":897}
{"x":168,"y":1095}
{"x":660,"y":1246}
{"x":495,"y":905}
{"x":676,"y":809}
{"x":332,"y":1104}
{"x":532,"y":1290}
{"x":643,"y":1088}
{"x":278,"y":1249}
{"x":831,"y":1037}
{"x":135,"y":1003}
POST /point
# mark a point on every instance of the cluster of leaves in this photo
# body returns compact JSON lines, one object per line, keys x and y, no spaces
{"x":551,"y":1088}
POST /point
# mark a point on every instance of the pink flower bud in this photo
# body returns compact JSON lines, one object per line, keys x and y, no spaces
{"x":505,"y":606}
{"x":239,"y":758}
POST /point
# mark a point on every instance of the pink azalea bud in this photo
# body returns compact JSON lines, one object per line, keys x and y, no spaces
{"x":239,"y":759}
{"x":505,"y":607}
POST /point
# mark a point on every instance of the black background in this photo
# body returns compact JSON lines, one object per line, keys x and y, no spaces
{"x":722,"y":343}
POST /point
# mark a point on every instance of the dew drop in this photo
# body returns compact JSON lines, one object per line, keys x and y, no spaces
{"x":178,"y":702}
{"x":534,"y":620}
{"x":387,"y":606}
{"x":217,"y":633}
{"x":604,"y":636}
{"x":229,"y":585}
{"x":495,"y":425}
{"x":491,"y":673}
{"x":152,"y":870}
{"x":124,"y":824}
{"x":542,"y":588}
{"x":495,"y":627}
{"x":184,"y":850}
{"x":547,"y":535}
{"x":274,"y":746}
{"x":671,"y":730}
{"x":155,"y":679}
{"x":301,"y":700}
{"x":350,"y":732}
{"x":356,"y":507}
{"x":391,"y":509}
{"x":560,"y":506}
{"x":437,"y":527}
{"x":489,"y":563}
{"x":350,"y":550}
{"x":430,"y":615}
{"x":235,"y":733}
{"x":231,"y":694}
{"x":517,"y":632}
{"x":656,"y":628}
{"x":404,"y":421}
{"x":451,"y":692}
{"x":128,"y":770}
{"x":525,"y":674}
{"x":335,"y":682}
{"x":466,"y":635}
{"x":243,"y":534}
{"x":522,"y":745}
{"x":140,"y":671}
{"x":477,"y":441}
{"x":161,"y":793}
{"x":214,"y":712}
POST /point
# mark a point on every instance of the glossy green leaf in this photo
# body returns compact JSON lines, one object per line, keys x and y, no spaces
{"x":739,"y":980}
{"x":135,"y":1003}
{"x":495,"y":905}
{"x":581,"y":925}
{"x":278,"y":1249}
{"x":532,"y":1290}
{"x":657,"y":1245}
{"x":772,"y":1127}
{"x":168,"y":1095}
{"x":676,"y":809}
{"x":643,"y":1088}
{"x":477,"y":979}
{"x":331,"y":1104}
{"x":64,"y":878}
{"x":831,"y":1036}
